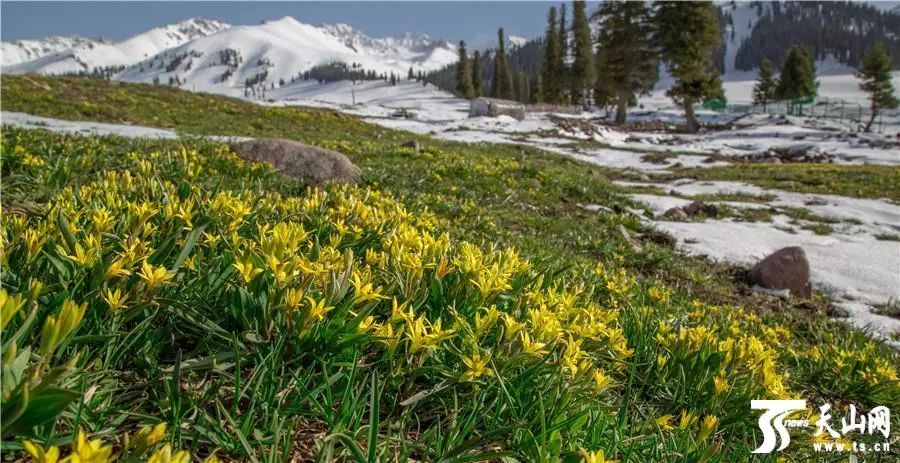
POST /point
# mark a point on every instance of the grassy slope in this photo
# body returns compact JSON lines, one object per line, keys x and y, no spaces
{"x":483,"y":193}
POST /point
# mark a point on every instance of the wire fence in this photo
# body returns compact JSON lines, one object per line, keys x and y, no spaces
{"x":851,"y":114}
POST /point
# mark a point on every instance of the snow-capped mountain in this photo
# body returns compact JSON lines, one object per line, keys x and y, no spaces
{"x":212,"y":56}
{"x":280,"y":51}
{"x":60,"y":55}
{"x":21,"y":51}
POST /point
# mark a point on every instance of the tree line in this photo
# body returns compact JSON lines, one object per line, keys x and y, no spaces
{"x":621,"y":62}
{"x":611,"y":69}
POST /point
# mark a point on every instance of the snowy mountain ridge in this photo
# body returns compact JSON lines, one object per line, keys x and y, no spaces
{"x":214,"y":56}
{"x":58,"y":55}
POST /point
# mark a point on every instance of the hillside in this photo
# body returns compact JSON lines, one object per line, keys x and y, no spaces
{"x":72,"y":55}
{"x":576,"y":343}
{"x":212,"y":56}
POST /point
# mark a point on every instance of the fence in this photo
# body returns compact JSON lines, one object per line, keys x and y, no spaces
{"x":851,"y":114}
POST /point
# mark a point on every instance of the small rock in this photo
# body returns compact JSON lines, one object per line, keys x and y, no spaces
{"x":413,"y":145}
{"x":786,"y":268}
{"x":700,"y":207}
{"x":675,"y":213}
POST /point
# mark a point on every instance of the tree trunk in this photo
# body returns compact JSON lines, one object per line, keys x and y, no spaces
{"x":690,"y":120}
{"x":871,"y":119}
{"x":622,"y":107}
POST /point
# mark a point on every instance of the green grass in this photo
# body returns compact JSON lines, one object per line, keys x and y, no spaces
{"x":857,"y":181}
{"x":168,"y":360}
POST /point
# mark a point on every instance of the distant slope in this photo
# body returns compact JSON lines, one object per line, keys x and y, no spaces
{"x":838,"y":31}
{"x":69,"y":55}
{"x":277,"y":51}
{"x":21,"y":51}
{"x":213,"y":56}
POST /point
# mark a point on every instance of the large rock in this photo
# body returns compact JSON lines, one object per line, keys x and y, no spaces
{"x":316,"y":166}
{"x":786,"y":268}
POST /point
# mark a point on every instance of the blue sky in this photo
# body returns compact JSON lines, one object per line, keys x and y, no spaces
{"x":475,"y":22}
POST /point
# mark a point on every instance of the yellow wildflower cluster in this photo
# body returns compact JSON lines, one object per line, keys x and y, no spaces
{"x":135,"y":448}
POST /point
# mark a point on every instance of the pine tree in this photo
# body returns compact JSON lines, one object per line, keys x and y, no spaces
{"x":687,"y":33}
{"x":537,"y":90}
{"x":464,"y":74}
{"x":627,"y":60}
{"x":798,"y":76}
{"x":604,"y":86}
{"x":562,"y":70}
{"x":410,"y":75}
{"x":764,"y":90}
{"x":550,"y":68}
{"x":875,"y":74}
{"x":477,"y":84}
{"x":501,"y":84}
{"x":583,"y":55}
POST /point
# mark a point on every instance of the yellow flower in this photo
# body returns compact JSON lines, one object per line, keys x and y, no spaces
{"x":595,"y":457}
{"x":148,"y":436}
{"x":57,"y":328}
{"x":601,"y":381}
{"x":511,"y":327}
{"x":530,"y":346}
{"x":153,"y":276}
{"x":364,"y":290}
{"x":477,"y":366}
{"x":32,"y":161}
{"x":165,"y":455}
{"x":661,"y":360}
{"x":90,"y":451}
{"x":687,"y":418}
{"x":720,"y":384}
{"x":115,"y":299}
{"x":293,"y":297}
{"x":707,"y":427}
{"x":40,"y":454}
{"x":664,"y":422}
{"x":246,"y":269}
{"x":317,"y":310}
{"x":9,"y":306}
{"x":116,"y":270}
{"x":103,"y":220}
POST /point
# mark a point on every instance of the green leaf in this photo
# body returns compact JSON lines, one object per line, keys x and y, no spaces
{"x":42,"y":408}
{"x":189,"y":244}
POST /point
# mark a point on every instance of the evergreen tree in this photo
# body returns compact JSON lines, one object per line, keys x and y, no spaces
{"x":687,"y":33}
{"x":551,"y":67}
{"x":563,"y":70}
{"x":604,"y":86}
{"x":583,"y":55}
{"x":501,"y":84}
{"x":464,"y":74}
{"x":627,"y":60}
{"x":477,"y":84}
{"x":410,"y":75}
{"x":537,"y":91}
{"x":764,"y":90}
{"x":798,"y":76}
{"x":875,"y":74}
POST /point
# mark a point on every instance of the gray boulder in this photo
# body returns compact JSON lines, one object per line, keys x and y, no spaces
{"x":316,"y":166}
{"x":786,"y":268}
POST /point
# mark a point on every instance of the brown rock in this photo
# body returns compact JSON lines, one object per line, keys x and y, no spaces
{"x":786,"y":268}
{"x":700,"y":207}
{"x":413,"y":145}
{"x":675,"y":213}
{"x":316,"y":166}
